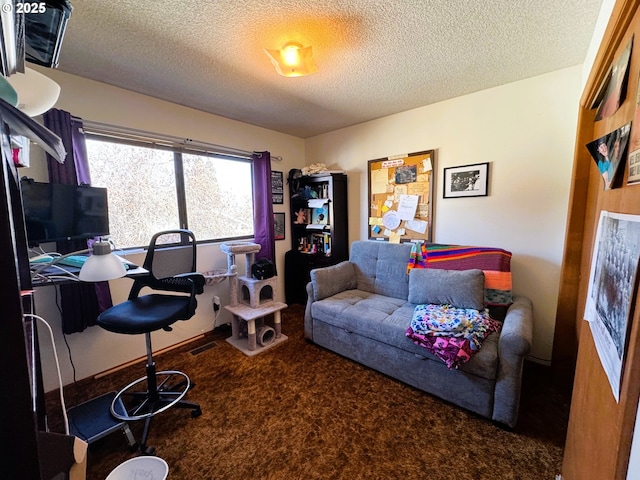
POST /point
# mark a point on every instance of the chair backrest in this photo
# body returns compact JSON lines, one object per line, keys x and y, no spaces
{"x":166,"y":264}
{"x":174,"y":259}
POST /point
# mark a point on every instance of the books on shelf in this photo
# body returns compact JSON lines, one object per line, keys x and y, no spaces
{"x":316,"y":243}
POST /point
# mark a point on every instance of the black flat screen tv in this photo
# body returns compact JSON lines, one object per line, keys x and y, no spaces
{"x":55,"y":212}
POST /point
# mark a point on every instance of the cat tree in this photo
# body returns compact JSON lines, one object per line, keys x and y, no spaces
{"x":251,"y":300}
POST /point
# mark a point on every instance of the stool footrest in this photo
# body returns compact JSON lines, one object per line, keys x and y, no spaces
{"x":140,"y":403}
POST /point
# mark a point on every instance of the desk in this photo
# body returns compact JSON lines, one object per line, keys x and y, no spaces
{"x":91,"y":420}
{"x":54,"y":276}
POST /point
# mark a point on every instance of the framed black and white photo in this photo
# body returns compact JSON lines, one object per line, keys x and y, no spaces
{"x":278,"y":226}
{"x":277,"y":187}
{"x":613,"y":289}
{"x":466,"y":181}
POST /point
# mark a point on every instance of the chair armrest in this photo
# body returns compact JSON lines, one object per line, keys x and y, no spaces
{"x":328,"y":281}
{"x":197,"y":279}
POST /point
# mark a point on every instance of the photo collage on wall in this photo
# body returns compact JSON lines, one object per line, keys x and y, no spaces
{"x":401,"y":197}
{"x":613,"y":278}
{"x":610,"y":151}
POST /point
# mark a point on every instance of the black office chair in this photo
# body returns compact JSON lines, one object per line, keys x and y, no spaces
{"x":171,"y":269}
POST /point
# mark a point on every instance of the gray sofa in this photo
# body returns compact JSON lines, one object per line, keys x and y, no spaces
{"x":360,"y":309}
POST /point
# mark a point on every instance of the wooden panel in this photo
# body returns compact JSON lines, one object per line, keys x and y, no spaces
{"x":566,"y":330}
{"x":600,"y":429}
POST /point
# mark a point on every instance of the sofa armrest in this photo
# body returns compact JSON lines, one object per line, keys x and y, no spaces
{"x":517,"y":329}
{"x":325,"y":282}
{"x":308,"y":319}
{"x":328,"y":281}
{"x":514,"y":343}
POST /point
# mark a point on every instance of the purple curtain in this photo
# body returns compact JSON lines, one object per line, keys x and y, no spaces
{"x":263,"y":206}
{"x":81,"y":302}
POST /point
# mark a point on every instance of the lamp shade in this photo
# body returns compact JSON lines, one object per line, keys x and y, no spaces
{"x":7,"y":92}
{"x":102,"y":265}
{"x":292,"y":60}
{"x":37,"y":93}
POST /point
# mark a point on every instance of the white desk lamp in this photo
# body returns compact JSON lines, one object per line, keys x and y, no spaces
{"x":101,"y":266}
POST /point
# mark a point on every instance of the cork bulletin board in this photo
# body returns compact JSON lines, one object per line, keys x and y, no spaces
{"x":401,"y":193}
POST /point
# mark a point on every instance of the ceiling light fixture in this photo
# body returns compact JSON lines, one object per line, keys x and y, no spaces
{"x":292,"y":60}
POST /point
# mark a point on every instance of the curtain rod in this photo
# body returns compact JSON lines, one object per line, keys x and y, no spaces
{"x":133,"y":134}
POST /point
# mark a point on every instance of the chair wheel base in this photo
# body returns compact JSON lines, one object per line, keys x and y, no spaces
{"x":141,"y":403}
{"x":148,"y":450}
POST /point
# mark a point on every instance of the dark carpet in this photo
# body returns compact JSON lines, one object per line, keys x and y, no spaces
{"x":298,"y":411}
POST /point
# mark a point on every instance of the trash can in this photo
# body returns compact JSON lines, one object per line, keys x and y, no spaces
{"x":147,"y":467}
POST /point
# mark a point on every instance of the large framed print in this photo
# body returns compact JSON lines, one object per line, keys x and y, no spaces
{"x":466,"y":181}
{"x":612,"y":290}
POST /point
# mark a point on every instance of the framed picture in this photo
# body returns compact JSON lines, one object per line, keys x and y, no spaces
{"x":466,"y":181}
{"x":612,"y":290}
{"x":278,"y":226}
{"x":277,"y":187}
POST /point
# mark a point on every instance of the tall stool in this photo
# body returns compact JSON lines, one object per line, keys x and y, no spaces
{"x":171,"y":270}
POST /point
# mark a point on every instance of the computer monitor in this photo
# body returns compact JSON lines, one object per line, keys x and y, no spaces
{"x":55,"y":212}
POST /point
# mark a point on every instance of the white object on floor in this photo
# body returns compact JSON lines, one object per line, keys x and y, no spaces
{"x":147,"y":467}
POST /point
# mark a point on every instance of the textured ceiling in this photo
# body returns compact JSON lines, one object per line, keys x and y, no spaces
{"x":375,"y":57}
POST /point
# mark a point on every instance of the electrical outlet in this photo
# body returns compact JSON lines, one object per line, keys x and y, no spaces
{"x":216,"y":303}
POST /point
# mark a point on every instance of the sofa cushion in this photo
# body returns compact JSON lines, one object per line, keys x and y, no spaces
{"x":386,"y":319}
{"x":462,"y":289}
{"x":494,"y":262}
{"x":381,"y":267}
{"x":331,"y":280}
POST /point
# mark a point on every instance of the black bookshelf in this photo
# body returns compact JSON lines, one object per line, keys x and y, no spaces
{"x":319,"y":229}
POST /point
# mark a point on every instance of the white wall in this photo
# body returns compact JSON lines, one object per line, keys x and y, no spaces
{"x":526,"y":130}
{"x":96,"y":350}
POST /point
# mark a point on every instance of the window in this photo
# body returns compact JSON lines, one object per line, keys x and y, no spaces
{"x":152,"y":189}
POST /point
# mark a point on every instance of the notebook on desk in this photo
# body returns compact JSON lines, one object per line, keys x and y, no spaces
{"x":74,"y":261}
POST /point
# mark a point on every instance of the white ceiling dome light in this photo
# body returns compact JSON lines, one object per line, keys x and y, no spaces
{"x":37,"y":93}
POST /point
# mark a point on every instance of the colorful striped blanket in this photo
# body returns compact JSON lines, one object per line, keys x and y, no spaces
{"x":494,"y":262}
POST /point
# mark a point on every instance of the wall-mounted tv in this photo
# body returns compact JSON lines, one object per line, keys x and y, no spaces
{"x":56,"y":212}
